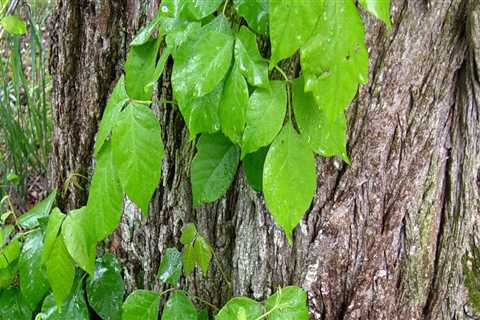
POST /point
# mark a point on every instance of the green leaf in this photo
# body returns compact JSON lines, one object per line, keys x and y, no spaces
{"x":13,"y":305}
{"x":146,"y":32}
{"x":171,"y":266}
{"x":251,"y":64}
{"x":79,"y":239}
{"x":137,"y":153}
{"x":29,"y":220}
{"x":180,"y":32}
{"x":253,"y":167}
{"x":188,"y":259}
{"x":139,"y":70}
{"x":288,"y":303}
{"x":33,"y":279}
{"x":291,"y":25}
{"x":199,"y":9}
{"x":255,"y":12}
{"x":60,"y":271}
{"x":115,"y":103}
{"x":289,"y":170}
{"x":379,"y":8}
{"x":265,"y":115}
{"x":8,"y":274}
{"x":4,"y":234}
{"x":141,"y":304}
{"x":73,"y":308}
{"x":203,"y":253}
{"x":105,"y":199}
{"x":179,"y":307}
{"x":189,"y":232}
{"x":240,"y":308}
{"x":159,"y":68}
{"x":9,"y":254}
{"x":54,"y":223}
{"x":14,"y":25}
{"x":219,"y":24}
{"x":105,"y":290}
{"x":203,"y":314}
{"x":233,"y":106}
{"x":213,"y":168}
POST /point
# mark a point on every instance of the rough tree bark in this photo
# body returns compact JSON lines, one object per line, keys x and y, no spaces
{"x":384,"y":237}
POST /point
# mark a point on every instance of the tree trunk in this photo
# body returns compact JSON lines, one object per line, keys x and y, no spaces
{"x":384,"y":237}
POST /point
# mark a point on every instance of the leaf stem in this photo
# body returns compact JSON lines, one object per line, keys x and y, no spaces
{"x":267,"y":313}
{"x":224,"y":7}
{"x":284,"y":75}
{"x":205,"y":302}
{"x":167,"y":291}
{"x":167,"y":102}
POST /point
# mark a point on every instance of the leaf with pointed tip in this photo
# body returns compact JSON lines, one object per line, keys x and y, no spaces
{"x":141,"y":304}
{"x":137,"y":151}
{"x":203,"y":253}
{"x":171,"y":266}
{"x":255,"y":12}
{"x":30,"y":219}
{"x":144,"y":35}
{"x":179,"y":307}
{"x":188,"y":259}
{"x":379,"y":8}
{"x":289,"y":170}
{"x":199,"y":9}
{"x":213,"y":168}
{"x":253,"y":167}
{"x":240,"y":308}
{"x":9,"y":253}
{"x":251,"y":64}
{"x":13,"y":305}
{"x":54,"y":223}
{"x":159,"y":68}
{"x":265,"y":115}
{"x":288,"y":303}
{"x":180,"y":32}
{"x":189,"y":232}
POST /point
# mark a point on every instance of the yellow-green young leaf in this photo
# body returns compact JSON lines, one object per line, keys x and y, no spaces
{"x":115,"y":103}
{"x":379,"y":8}
{"x":233,"y":106}
{"x":137,"y":153}
{"x":9,"y":253}
{"x":291,"y":25}
{"x":171,"y":266}
{"x":203,"y":253}
{"x":213,"y":168}
{"x":199,"y":9}
{"x":189,"y":232}
{"x":179,"y":307}
{"x":141,"y":304}
{"x":241,"y":308}
{"x":251,"y":64}
{"x":14,"y":25}
{"x":79,"y":237}
{"x":60,"y":271}
{"x":41,"y":210}
{"x":265,"y":115}
{"x":13,"y":306}
{"x":288,"y":303}
{"x":105,"y":199}
{"x":253,"y":167}
{"x":54,"y":223}
{"x":289,"y":179}
{"x":188,"y":259}
{"x":255,"y":12}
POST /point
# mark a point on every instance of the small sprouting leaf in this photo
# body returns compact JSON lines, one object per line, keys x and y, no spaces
{"x":213,"y":168}
{"x":233,"y":106}
{"x":289,"y":170}
{"x":189,"y":232}
{"x":14,"y":25}
{"x":29,"y":220}
{"x":73,"y":308}
{"x":188,"y":259}
{"x":141,"y":304}
{"x":105,"y":290}
{"x":9,"y":253}
{"x":60,"y":271}
{"x":253,"y":167}
{"x":379,"y":8}
{"x":54,"y":223}
{"x":250,"y":62}
{"x":179,"y":307}
{"x":115,"y":103}
{"x":203,"y":253}
{"x":137,"y":150}
{"x":255,"y":12}
{"x":199,"y":9}
{"x":291,"y":25}
{"x":171,"y":266}
{"x":145,"y":33}
{"x":240,"y":308}
{"x":288,"y":303}
{"x":265,"y":115}
{"x":33,"y":279}
{"x":13,"y":305}
{"x":105,"y":199}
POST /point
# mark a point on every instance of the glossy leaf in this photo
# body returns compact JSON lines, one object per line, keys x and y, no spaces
{"x":30,"y":219}
{"x":289,"y":179}
{"x":213,"y":168}
{"x":146,"y":32}
{"x":287,"y":304}
{"x":141,"y":304}
{"x":189,"y":233}
{"x":240,"y":308}
{"x":54,"y":223}
{"x":137,"y":153}
{"x":203,"y":253}
{"x":105,"y":199}
{"x":379,"y":8}
{"x":159,"y":68}
{"x":8,"y":274}
{"x":255,"y":12}
{"x":253,"y":167}
{"x":105,"y":290}
{"x":9,"y":254}
{"x":265,"y":115}
{"x":171,"y":266}
{"x":291,"y":25}
{"x":73,"y":308}
{"x":199,"y":9}
{"x":33,"y":278}
{"x":13,"y":305}
{"x":14,"y":25}
{"x":179,"y":307}
{"x":180,"y":32}
{"x":188,"y":259}
{"x":251,"y":64}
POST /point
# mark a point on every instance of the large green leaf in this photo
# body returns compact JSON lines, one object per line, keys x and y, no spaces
{"x":60,"y":271}
{"x":171,"y":266}
{"x":179,"y":307}
{"x":33,"y":278}
{"x":289,"y":170}
{"x":137,"y":153}
{"x":253,"y":167}
{"x":203,"y":253}
{"x":379,"y":8}
{"x":115,"y":103}
{"x":13,"y":305}
{"x":287,"y":304}
{"x":72,"y":308}
{"x":241,"y":308}
{"x":54,"y":223}
{"x":255,"y":12}
{"x":30,"y":219}
{"x":265,"y":115}
{"x":14,"y":25}
{"x":233,"y":106}
{"x":291,"y":25}
{"x":213,"y":168}
{"x":105,"y":199}
{"x":9,"y":254}
{"x":105,"y":290}
{"x":199,"y":9}
{"x":251,"y":64}
{"x":179,"y":32}
{"x":141,"y":304}
{"x":79,"y":237}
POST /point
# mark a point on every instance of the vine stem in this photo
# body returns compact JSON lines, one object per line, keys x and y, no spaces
{"x":203,"y":301}
{"x":267,"y":313}
{"x":224,"y":7}
{"x":167,"y":291}
{"x":167,"y":102}
{"x":284,"y":75}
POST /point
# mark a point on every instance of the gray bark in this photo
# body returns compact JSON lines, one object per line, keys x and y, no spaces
{"x":384,"y":237}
